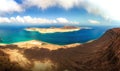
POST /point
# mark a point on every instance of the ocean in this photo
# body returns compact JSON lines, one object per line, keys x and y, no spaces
{"x":13,"y":34}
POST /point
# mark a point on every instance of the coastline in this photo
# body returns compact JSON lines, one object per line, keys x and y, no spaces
{"x":40,"y":44}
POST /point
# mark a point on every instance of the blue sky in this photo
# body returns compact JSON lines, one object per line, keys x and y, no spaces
{"x":41,"y":12}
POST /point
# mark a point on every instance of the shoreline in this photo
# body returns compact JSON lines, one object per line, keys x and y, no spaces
{"x":40,"y":44}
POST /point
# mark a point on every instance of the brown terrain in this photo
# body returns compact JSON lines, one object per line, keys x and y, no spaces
{"x":69,"y":27}
{"x":98,"y":55}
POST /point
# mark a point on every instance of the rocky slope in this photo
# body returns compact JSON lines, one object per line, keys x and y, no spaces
{"x":98,"y":55}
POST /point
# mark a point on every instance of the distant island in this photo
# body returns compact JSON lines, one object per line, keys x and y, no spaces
{"x":54,"y":29}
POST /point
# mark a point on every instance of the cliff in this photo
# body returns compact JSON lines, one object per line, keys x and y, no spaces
{"x":99,"y":55}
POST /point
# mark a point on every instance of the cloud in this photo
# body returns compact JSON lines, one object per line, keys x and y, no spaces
{"x":69,"y":4}
{"x":62,"y":20}
{"x":93,"y":21}
{"x":109,"y":9}
{"x":34,"y":20}
{"x":7,"y":6}
{"x":44,"y":4}
{"x":40,"y":3}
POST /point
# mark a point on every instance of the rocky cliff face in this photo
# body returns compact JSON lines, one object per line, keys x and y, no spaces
{"x":109,"y":52}
{"x":105,"y":52}
{"x":100,"y":55}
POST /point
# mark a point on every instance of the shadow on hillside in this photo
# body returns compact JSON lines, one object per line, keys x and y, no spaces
{"x":7,"y":65}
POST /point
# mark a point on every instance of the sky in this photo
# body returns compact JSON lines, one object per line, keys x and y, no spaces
{"x":59,"y":12}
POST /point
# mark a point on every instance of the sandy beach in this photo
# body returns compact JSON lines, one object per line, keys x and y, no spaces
{"x":40,"y":44}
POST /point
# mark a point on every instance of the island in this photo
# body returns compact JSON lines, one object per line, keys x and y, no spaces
{"x":54,"y":29}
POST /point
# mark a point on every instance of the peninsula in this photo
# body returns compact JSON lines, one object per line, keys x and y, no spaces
{"x":54,"y":29}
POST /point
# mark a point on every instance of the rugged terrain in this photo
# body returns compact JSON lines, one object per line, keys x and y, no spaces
{"x":99,"y":55}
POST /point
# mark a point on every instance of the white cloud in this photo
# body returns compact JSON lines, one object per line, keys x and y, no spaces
{"x":7,"y":6}
{"x":62,"y":20}
{"x":69,"y":4}
{"x":34,"y":20}
{"x":93,"y":21}
{"x":65,"y":21}
{"x":44,"y":4}
{"x":40,"y":3}
{"x":108,"y":9}
{"x":4,"y":19}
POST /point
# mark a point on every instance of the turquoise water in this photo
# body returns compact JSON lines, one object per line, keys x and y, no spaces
{"x":14,"y":34}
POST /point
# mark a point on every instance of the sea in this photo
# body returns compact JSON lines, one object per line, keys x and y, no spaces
{"x":13,"y":34}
